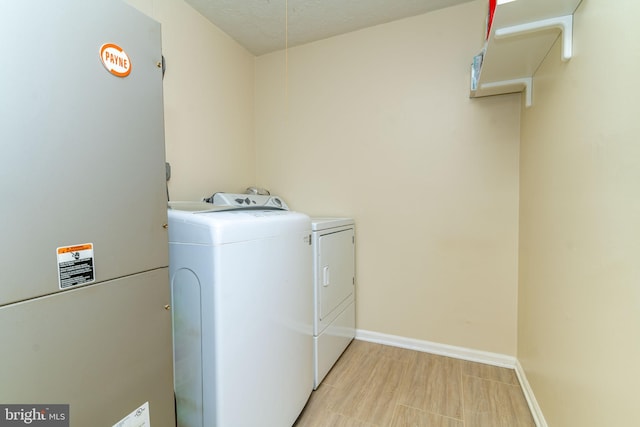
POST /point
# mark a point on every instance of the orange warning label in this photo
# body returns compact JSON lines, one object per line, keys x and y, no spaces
{"x":85,"y":247}
{"x":75,"y":265}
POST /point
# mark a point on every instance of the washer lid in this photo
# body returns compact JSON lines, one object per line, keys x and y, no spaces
{"x":236,"y":225}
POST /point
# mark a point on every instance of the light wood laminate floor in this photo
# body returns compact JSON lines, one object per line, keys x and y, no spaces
{"x":374,"y":385}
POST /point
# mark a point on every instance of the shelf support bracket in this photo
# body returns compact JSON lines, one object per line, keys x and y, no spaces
{"x":527,"y":82}
{"x":564,"y":23}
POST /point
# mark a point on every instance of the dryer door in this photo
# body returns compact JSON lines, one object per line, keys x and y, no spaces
{"x":336,"y":270}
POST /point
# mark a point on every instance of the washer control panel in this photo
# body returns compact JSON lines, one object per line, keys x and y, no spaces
{"x":255,"y":201}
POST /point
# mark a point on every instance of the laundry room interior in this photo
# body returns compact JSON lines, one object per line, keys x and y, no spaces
{"x":501,"y":229}
{"x":481,"y":223}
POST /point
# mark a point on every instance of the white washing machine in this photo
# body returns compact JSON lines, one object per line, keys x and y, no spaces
{"x":242,"y":313}
{"x":334,"y":318}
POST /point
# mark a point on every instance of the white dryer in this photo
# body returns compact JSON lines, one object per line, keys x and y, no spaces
{"x":334,"y":291}
{"x":242,"y":313}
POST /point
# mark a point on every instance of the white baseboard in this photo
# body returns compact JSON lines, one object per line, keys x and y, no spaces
{"x":463,"y":353}
{"x":536,"y":412}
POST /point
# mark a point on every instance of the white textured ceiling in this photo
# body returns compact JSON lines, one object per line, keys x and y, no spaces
{"x":259,"y":25}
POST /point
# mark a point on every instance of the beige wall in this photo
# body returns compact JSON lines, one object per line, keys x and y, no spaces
{"x":377,"y":125}
{"x":579,"y":293}
{"x":208,"y":100}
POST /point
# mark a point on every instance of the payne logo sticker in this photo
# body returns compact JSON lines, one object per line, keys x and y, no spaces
{"x":115,"y":59}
